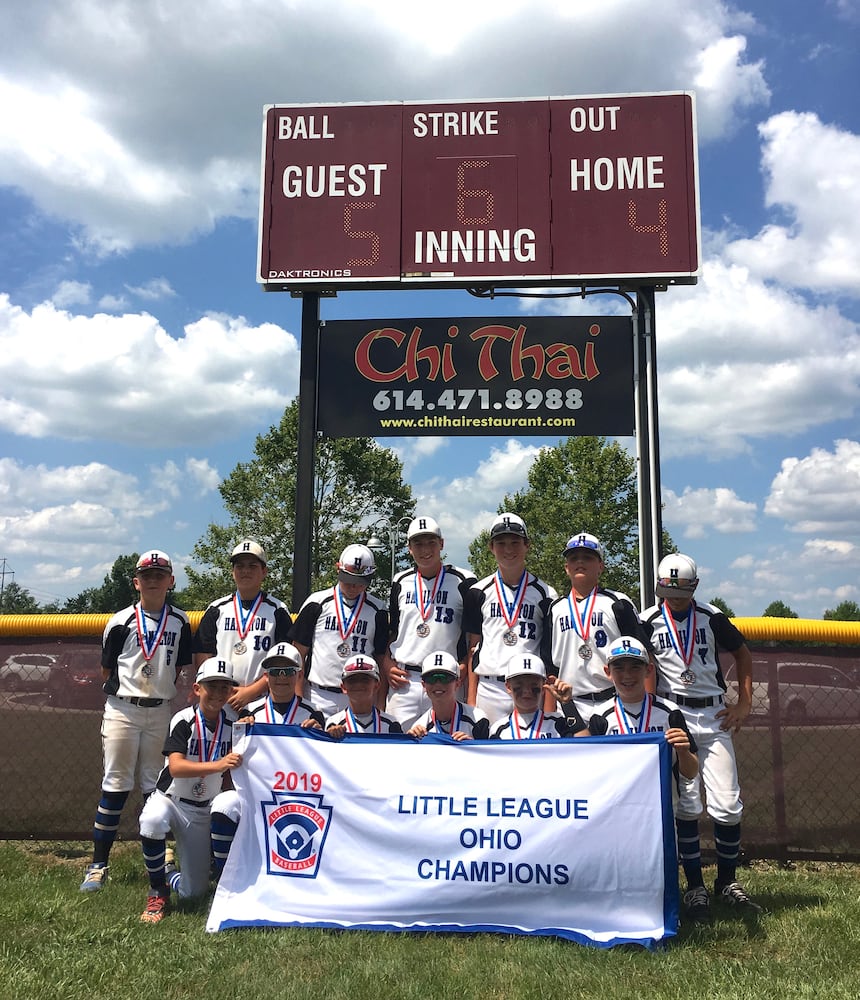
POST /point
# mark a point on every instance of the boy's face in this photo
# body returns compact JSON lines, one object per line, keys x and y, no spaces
{"x":426,"y":552}
{"x":583,"y":568}
{"x":510,"y":553}
{"x":628,"y":675}
{"x":680,"y":604}
{"x":213,"y":696}
{"x":153,"y":584}
{"x":361,"y":692}
{"x":248,"y":573}
{"x":439,"y":686}
{"x":351,"y":590}
{"x":526,"y":692}
{"x":282,"y":683}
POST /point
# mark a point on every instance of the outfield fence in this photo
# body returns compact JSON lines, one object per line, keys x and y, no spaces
{"x":798,"y":755}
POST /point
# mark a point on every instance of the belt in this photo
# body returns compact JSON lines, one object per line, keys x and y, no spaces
{"x":413,"y":668}
{"x":491,"y":677}
{"x":696,"y":702}
{"x":322,"y":687}
{"x":194,"y":802}
{"x":595,"y":695}
{"x":143,"y":702}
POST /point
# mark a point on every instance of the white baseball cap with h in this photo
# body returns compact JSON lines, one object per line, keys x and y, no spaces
{"x":154,"y":559}
{"x":248,"y":547}
{"x":508,"y":524}
{"x":524,"y":664}
{"x":213,"y":669}
{"x":423,"y":526}
{"x":356,"y":565}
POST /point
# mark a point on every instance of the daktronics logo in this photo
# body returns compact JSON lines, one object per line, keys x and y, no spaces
{"x":312,"y":272}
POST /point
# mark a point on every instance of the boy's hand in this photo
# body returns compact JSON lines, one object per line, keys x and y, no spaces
{"x":231,"y":761}
{"x":336,"y":732}
{"x":418,"y":731}
{"x":310,"y":724}
{"x":678,"y":738}
{"x":733,"y":716}
{"x":560,"y":690}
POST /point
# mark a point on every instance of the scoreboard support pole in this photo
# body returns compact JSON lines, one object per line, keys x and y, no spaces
{"x":648,"y":444}
{"x":306,"y":459}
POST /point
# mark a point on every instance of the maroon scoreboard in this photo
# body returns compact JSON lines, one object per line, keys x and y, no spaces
{"x":506,"y":192}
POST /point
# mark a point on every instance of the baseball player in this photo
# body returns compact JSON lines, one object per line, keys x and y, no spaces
{"x":360,"y":683}
{"x":337,"y":623}
{"x":198,"y":753}
{"x":244,"y":625}
{"x":582,"y":625}
{"x":144,"y":647}
{"x":281,"y":706}
{"x":633,"y":709}
{"x":440,"y":675}
{"x":686,"y":636}
{"x":425,"y":610}
{"x":527,"y":683}
{"x":504,"y":615}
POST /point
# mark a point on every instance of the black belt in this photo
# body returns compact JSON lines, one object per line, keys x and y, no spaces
{"x":696,"y":702}
{"x":143,"y":702}
{"x":596,"y":695}
{"x":413,"y":668}
{"x":331,"y":690}
{"x":193,"y":802}
{"x":492,"y":677}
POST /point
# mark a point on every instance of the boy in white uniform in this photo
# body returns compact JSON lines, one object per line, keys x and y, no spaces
{"x":526,"y":681}
{"x":440,"y":675}
{"x":360,"y":683}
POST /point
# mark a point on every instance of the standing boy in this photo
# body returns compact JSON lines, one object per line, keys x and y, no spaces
{"x":360,"y":683}
{"x":198,"y":752}
{"x":504,"y":615}
{"x":425,"y":609}
{"x":440,"y":675}
{"x":337,"y":623}
{"x":243,"y":626}
{"x":686,"y":636}
{"x":582,"y":625}
{"x":144,"y":647}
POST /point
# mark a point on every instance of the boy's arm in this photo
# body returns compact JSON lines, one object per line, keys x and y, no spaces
{"x":733,"y":716}
{"x":181,"y":767}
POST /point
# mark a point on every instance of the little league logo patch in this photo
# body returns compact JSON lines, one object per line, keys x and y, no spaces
{"x":296,"y":828}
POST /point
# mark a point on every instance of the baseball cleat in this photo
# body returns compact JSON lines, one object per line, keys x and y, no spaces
{"x":735,"y":895}
{"x":697,"y":905}
{"x":94,"y":877}
{"x":157,"y":905}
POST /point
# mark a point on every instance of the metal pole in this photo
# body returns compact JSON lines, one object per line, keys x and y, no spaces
{"x":651,"y":506}
{"x":309,"y":360}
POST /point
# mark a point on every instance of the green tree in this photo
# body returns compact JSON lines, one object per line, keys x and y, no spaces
{"x":17,"y":600}
{"x":356,"y":481}
{"x":778,"y":609}
{"x":845,"y":611}
{"x":582,"y":484}
{"x":718,"y":602}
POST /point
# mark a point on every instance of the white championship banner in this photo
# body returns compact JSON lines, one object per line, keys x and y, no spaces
{"x":573,"y":838}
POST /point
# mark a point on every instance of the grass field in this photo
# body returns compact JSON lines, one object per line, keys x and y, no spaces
{"x":59,"y":944}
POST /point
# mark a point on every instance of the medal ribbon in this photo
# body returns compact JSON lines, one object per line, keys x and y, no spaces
{"x":686,"y":653}
{"x":425,"y":603}
{"x":353,"y":726}
{"x":208,"y":750}
{"x":346,"y":629}
{"x":535,"y":727}
{"x":511,"y":609}
{"x":289,"y":715}
{"x":582,"y":624}
{"x":624,"y":723}
{"x":455,"y":720}
{"x":148,"y":646}
{"x":244,"y":623}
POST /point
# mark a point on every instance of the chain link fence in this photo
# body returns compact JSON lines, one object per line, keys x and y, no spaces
{"x":798,"y":756}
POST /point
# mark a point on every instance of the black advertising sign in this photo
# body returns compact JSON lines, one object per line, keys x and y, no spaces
{"x":495,"y":376}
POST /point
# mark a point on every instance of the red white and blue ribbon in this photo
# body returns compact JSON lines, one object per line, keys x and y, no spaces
{"x":455,"y":720}
{"x":511,"y":609}
{"x":353,"y":725}
{"x":208,"y":750}
{"x":533,"y":730}
{"x":686,"y":653}
{"x":346,"y":624}
{"x":623,"y":720}
{"x":245,"y":622}
{"x":289,"y":715}
{"x":582,"y":623}
{"x":149,"y":645}
{"x":423,"y":600}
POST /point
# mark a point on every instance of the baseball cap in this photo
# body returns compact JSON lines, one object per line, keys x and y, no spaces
{"x":248,"y":547}
{"x":626,"y":647}
{"x":360,"y":666}
{"x":284,"y":654}
{"x":677,"y":576}
{"x":523,"y":664}
{"x":154,"y":559}
{"x":214,"y":669}
{"x":356,"y":565}
{"x":440,"y":662}
{"x":508,"y":524}
{"x":423,"y":526}
{"x":584,"y":541}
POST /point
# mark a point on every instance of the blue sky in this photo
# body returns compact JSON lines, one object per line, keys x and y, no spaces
{"x":140,"y":359}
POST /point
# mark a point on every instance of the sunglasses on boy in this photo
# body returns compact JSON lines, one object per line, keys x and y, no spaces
{"x":439,"y":677}
{"x":281,"y":671}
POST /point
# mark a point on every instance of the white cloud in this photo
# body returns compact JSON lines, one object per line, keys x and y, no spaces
{"x":72,"y":293}
{"x":819,"y":493}
{"x":699,"y":512}
{"x":154,"y":290}
{"x":124,"y":378}
{"x":112,"y":303}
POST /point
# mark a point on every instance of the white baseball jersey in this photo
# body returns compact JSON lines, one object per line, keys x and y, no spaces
{"x":364,"y":725}
{"x":441,"y":618}
{"x":534,"y":726}
{"x":144,"y":652}
{"x":333,"y":633}
{"x":467,"y":719}
{"x":490,"y":617}
{"x":197,"y":739}
{"x":242,"y":632}
{"x":291,"y":713}
{"x":588,"y":626}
